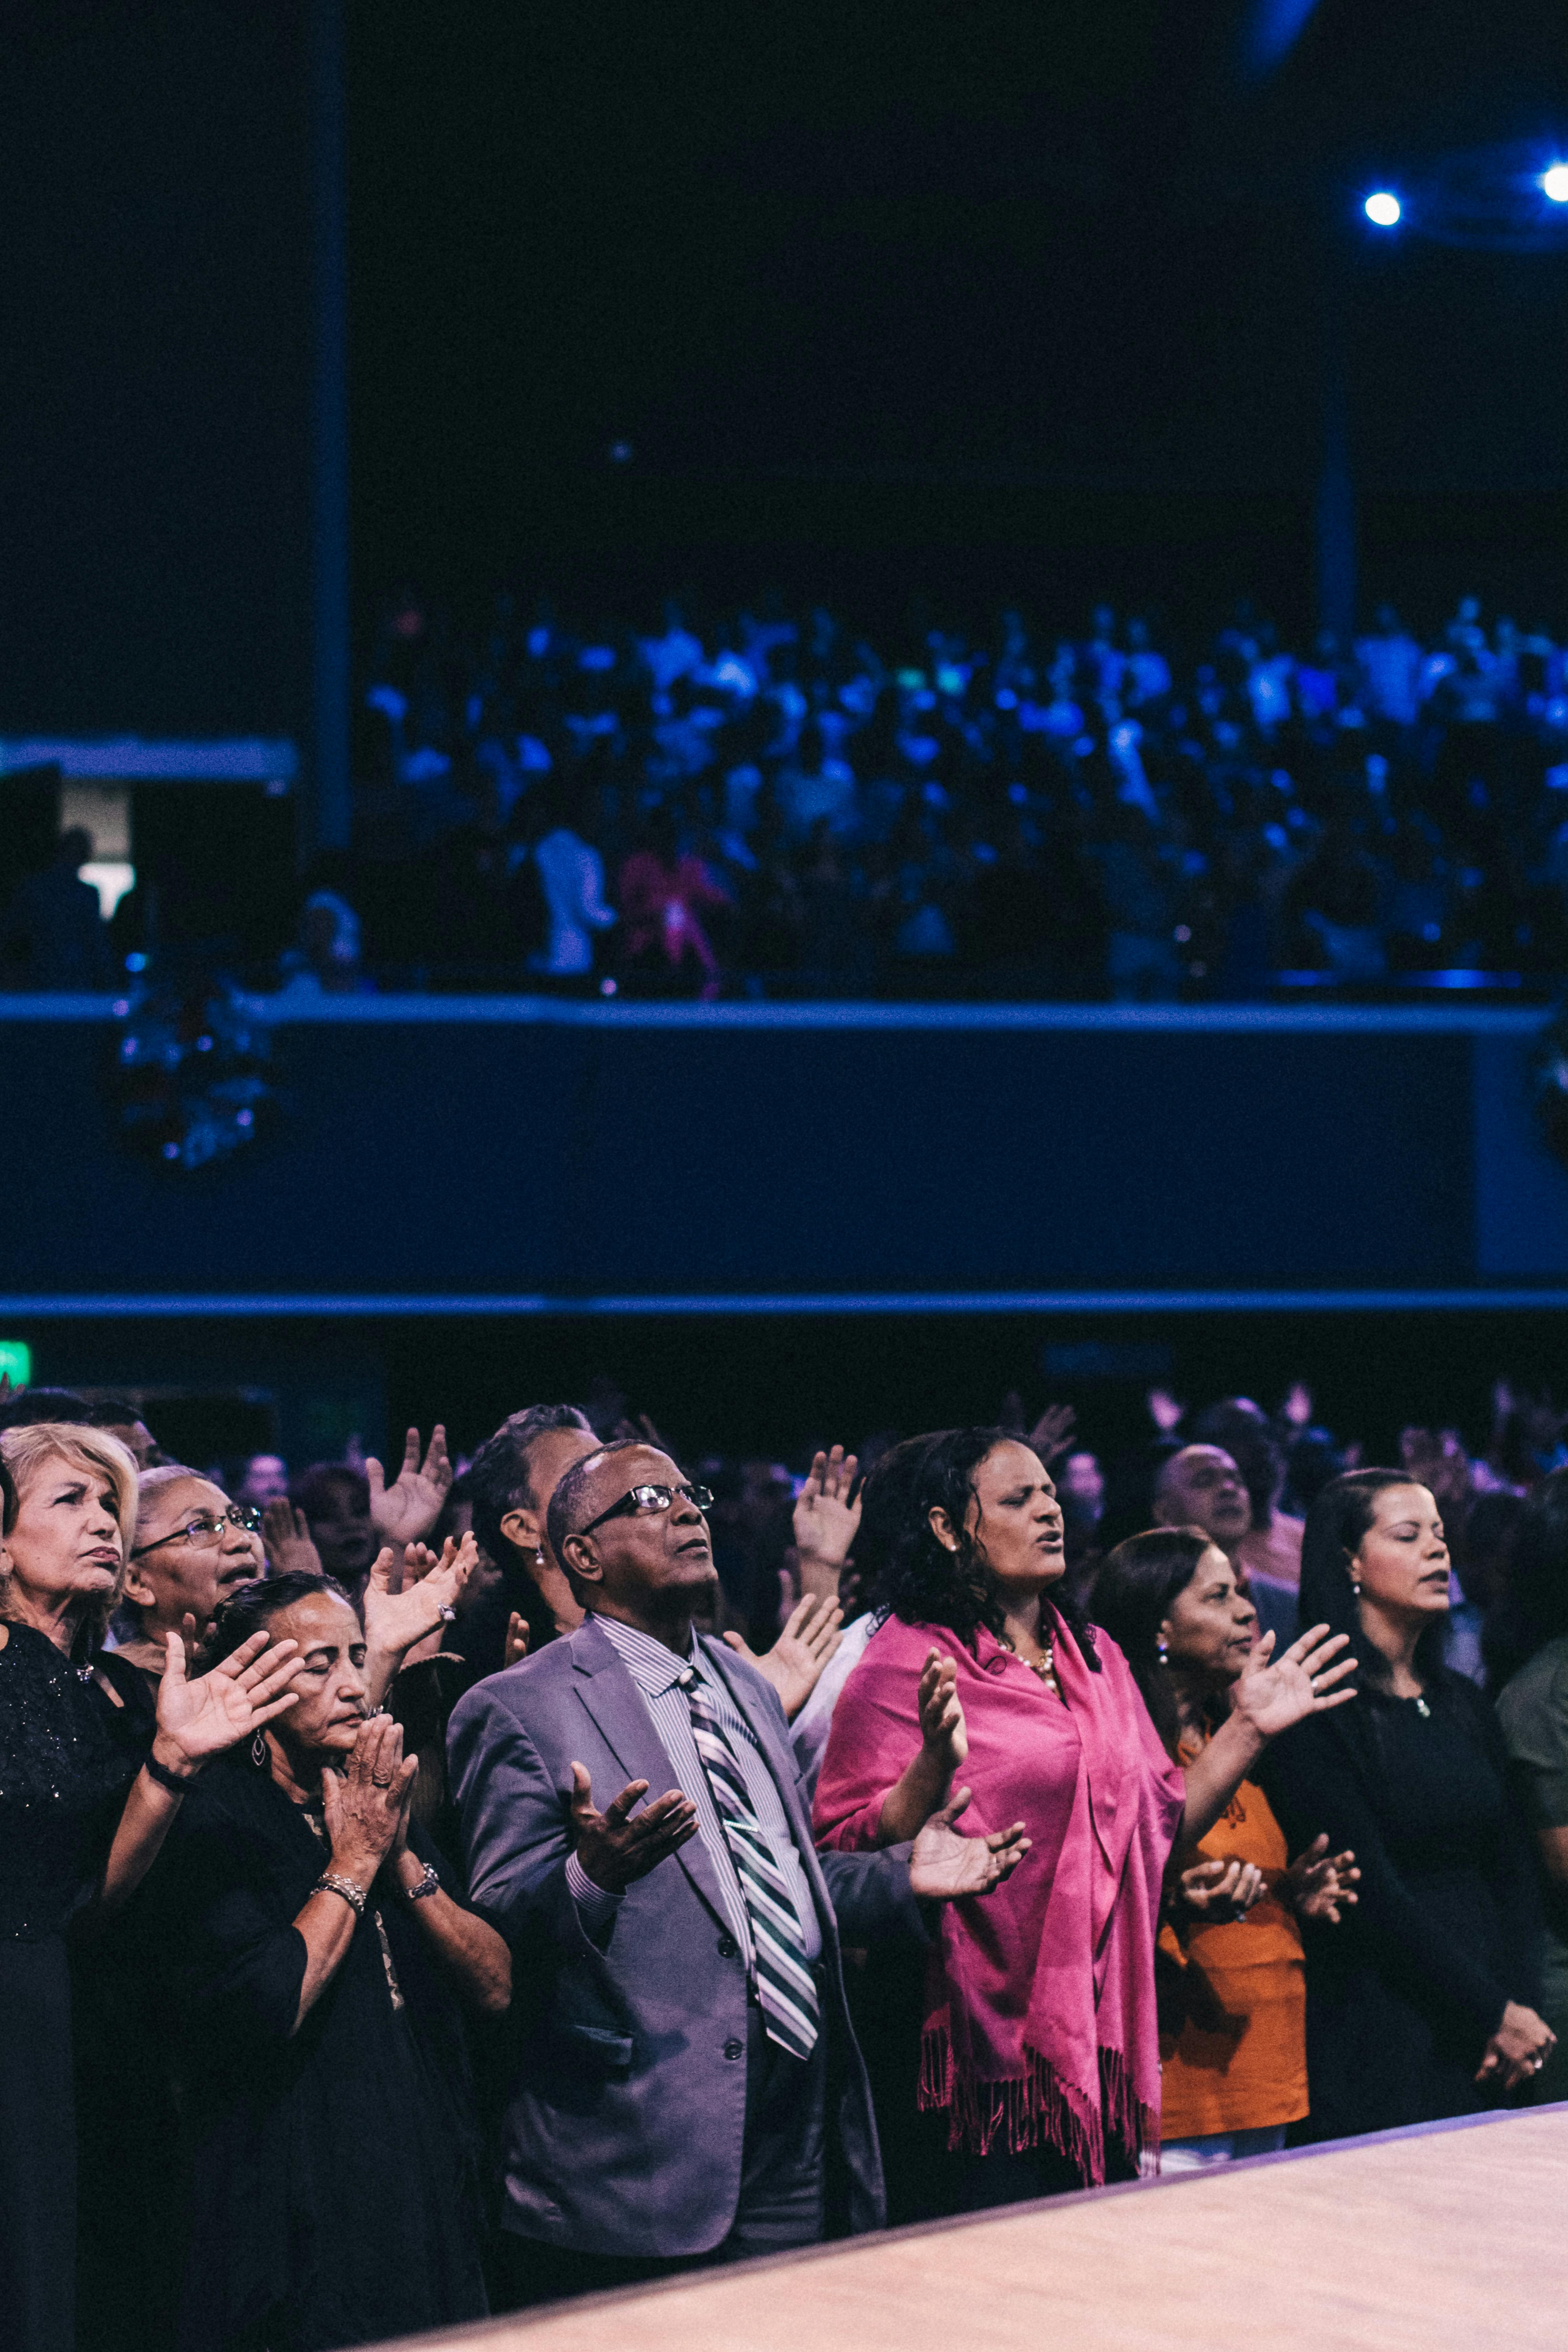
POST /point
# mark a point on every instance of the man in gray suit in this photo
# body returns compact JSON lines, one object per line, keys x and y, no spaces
{"x":688,"y":2087}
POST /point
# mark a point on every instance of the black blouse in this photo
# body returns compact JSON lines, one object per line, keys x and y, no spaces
{"x":335,"y":2169}
{"x":1404,"y":1994}
{"x":63,"y":1779}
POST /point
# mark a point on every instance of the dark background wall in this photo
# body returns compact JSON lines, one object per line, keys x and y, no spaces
{"x":736,"y":1156}
{"x":154,"y":383}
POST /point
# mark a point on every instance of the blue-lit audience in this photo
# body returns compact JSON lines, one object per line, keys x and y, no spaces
{"x":512,"y":1844}
{"x":772,"y":804}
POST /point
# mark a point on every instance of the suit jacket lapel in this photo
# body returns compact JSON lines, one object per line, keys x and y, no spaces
{"x":618,"y":1706}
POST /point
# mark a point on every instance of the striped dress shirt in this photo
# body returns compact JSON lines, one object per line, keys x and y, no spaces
{"x":657,"y":1672}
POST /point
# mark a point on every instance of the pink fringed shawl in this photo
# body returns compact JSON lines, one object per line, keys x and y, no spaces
{"x":1040,"y":2024}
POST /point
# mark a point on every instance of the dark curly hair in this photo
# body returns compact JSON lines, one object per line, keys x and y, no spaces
{"x":924,"y":1582}
{"x":1134,"y":1590}
{"x":250,"y":1606}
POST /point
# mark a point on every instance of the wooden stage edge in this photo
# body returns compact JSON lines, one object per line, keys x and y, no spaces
{"x":1453,"y":2235}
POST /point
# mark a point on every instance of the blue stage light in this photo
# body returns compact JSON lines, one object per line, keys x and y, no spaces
{"x":1383,"y":209}
{"x":1554,"y":184}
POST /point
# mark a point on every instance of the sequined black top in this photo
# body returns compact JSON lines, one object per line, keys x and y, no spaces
{"x":63,"y":1778}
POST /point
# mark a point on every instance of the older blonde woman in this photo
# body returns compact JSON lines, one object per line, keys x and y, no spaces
{"x":80,"y":1819}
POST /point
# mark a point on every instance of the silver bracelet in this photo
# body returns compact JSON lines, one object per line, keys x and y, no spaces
{"x":428,"y":1885}
{"x":331,"y":1883}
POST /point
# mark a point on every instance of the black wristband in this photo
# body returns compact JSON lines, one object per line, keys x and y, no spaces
{"x":176,"y":1783}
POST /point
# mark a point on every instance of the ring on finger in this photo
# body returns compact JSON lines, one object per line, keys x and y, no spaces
{"x":380,"y":1782}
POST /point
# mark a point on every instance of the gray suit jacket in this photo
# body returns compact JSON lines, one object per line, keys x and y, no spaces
{"x":625,"y":2119}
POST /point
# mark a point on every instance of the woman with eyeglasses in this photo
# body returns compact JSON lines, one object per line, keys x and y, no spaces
{"x":320,"y":1966}
{"x":83,"y":1814}
{"x":193,"y":1548}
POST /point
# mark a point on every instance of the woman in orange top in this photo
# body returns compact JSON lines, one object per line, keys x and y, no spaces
{"x":1233,"y":2039}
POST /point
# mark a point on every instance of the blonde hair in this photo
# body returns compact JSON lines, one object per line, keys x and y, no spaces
{"x":96,"y":1455}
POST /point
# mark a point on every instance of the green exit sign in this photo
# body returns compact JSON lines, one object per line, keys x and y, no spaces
{"x":17,"y":1362}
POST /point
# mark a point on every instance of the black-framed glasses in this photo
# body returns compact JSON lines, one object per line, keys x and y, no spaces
{"x":637,"y":1499}
{"x":208,"y":1528}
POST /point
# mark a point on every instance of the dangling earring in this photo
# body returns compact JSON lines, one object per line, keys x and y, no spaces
{"x":1355,"y":1590}
{"x":1160,"y":1652}
{"x":258,"y":1751}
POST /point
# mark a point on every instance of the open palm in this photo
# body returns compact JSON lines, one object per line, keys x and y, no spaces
{"x":825,"y":1519}
{"x":411,"y":1506}
{"x":232,"y":1701}
{"x":945,"y":1865}
{"x":1274,"y":1693}
{"x":394,"y":1621}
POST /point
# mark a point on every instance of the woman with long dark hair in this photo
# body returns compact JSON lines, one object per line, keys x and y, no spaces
{"x":1533,"y":1711}
{"x":320,"y":1967}
{"x":1040,"y":2043}
{"x":1423,"y":2004}
{"x":1233,"y":2038}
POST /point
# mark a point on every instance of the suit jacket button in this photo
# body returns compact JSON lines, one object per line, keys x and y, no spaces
{"x":728,"y":1948}
{"x":734,"y":2049}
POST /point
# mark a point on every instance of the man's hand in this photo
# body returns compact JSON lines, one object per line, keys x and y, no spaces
{"x":617,"y":1846}
{"x":286,"y":1533}
{"x":1319,"y":1882}
{"x":793,"y":1666}
{"x":945,"y":1866}
{"x":410,"y":1507}
{"x":825,"y":1520}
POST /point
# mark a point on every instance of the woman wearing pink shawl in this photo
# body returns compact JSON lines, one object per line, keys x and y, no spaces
{"x":1041,"y":2040}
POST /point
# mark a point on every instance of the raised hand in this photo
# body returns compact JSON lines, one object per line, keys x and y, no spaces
{"x":410,"y":1507}
{"x":1164,"y":1411}
{"x":618,"y":1845}
{"x":793,"y":1666}
{"x":230,"y":1702}
{"x":944,"y":1735}
{"x":1053,"y":1433}
{"x":1319,"y":1883}
{"x":1217,"y":1892}
{"x":363,"y":1804}
{"x":515,"y":1647}
{"x":400,"y":1611}
{"x":286,"y":1533}
{"x":1271,"y":1694}
{"x":825,"y":1519}
{"x":945,"y":1865}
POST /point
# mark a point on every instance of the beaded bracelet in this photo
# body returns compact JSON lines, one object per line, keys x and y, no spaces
{"x":176,"y":1783}
{"x":330,"y":1883}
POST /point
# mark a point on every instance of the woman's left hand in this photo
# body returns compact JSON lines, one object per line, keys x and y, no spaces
{"x":1317,"y":1881}
{"x":395,"y":1620}
{"x":1217,"y":1893}
{"x":1274,"y":1693}
{"x":230,"y":1702}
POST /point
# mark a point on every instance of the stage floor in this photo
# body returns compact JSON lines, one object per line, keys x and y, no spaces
{"x":1456,"y":2235}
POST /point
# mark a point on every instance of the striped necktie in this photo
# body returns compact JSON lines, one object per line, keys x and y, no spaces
{"x":786,"y":1989}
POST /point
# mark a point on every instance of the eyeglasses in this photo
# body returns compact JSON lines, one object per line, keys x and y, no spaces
{"x":637,"y":1499}
{"x":206,"y":1528}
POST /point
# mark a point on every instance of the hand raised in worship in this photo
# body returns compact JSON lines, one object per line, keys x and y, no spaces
{"x":945,"y":1865}
{"x":286,"y":1533}
{"x":1213,"y":1893}
{"x":1272,"y":1694}
{"x":230,"y":1702}
{"x":809,"y":1636}
{"x":364,"y":1804}
{"x":514,"y":1649}
{"x":944,"y":1735}
{"x":1518,"y":2050}
{"x":1319,"y":1883}
{"x":411,"y":1506}
{"x":401,"y":1607}
{"x":1053,"y":1433}
{"x":825,"y":1520}
{"x":617,"y":1846}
